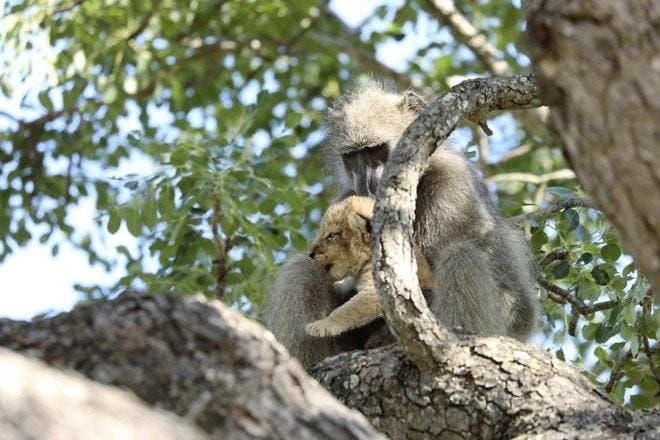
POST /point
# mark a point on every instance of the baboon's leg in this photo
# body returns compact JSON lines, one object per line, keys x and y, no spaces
{"x":302,"y":293}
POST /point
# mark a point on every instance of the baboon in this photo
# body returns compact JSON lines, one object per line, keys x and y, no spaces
{"x":481,"y":263}
{"x":343,"y":247}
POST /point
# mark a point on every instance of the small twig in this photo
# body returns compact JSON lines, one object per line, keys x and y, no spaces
{"x":8,"y":116}
{"x":66,"y":8}
{"x":144,"y":22}
{"x":548,"y":211}
{"x":646,"y":303}
{"x":221,"y":248}
{"x":563,"y":296}
{"x":572,"y":323}
{"x":617,"y":372}
{"x":510,"y":155}
{"x":484,"y":148}
{"x":555,"y":255}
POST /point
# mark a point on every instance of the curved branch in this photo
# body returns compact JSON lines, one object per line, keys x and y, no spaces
{"x":405,"y":309}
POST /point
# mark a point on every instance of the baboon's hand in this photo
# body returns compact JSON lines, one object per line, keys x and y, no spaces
{"x":324,"y":327}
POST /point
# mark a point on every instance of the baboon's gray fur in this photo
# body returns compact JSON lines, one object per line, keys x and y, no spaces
{"x":482,"y":262}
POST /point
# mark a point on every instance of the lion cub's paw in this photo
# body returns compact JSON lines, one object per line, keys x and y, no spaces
{"x":323,"y":327}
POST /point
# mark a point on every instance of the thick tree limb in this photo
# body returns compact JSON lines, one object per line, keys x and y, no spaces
{"x":487,"y":388}
{"x":198,"y":359}
{"x":405,"y":309}
{"x":597,"y":62}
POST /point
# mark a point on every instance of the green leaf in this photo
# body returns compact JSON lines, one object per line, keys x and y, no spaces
{"x":149,"y":213}
{"x":561,"y":270}
{"x":587,"y":290}
{"x":630,"y":314}
{"x":570,"y":219}
{"x":133,"y":221}
{"x":113,"y":222}
{"x":559,"y":191}
{"x":539,"y":238}
{"x":639,"y":401}
{"x":634,"y":346}
{"x":618,"y":393}
{"x":178,"y":157}
{"x":600,"y":276}
{"x":293,"y":118}
{"x":589,"y":331}
{"x":649,"y":385}
{"x":610,"y":252}
{"x":605,"y":332}
{"x":602,"y":355}
{"x":166,"y":205}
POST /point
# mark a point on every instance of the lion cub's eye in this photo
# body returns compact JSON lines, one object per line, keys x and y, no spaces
{"x":332,"y":236}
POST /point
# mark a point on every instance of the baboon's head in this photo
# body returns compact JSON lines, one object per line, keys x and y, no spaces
{"x":343,"y":243}
{"x":364,"y":127}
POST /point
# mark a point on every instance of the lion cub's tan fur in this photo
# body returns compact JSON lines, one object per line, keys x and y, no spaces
{"x":343,"y":247}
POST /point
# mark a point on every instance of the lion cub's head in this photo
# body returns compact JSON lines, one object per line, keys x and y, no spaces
{"x":343,"y":243}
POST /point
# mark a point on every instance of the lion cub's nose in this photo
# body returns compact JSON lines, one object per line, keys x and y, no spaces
{"x":312,"y":254}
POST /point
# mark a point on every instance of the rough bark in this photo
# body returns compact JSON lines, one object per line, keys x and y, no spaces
{"x":405,"y":309}
{"x":228,"y":376}
{"x":198,"y":359}
{"x":487,"y":388}
{"x":599,"y":68}
{"x":38,"y":402}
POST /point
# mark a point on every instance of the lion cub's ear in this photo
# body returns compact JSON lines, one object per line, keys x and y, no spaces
{"x":358,"y":222}
{"x":361,"y":210}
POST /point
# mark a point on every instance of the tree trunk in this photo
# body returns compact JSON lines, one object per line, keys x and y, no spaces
{"x":599,"y":68}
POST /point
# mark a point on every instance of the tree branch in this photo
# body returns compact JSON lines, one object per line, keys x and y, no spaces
{"x":564,"y":174}
{"x":650,"y":352}
{"x":563,"y":296}
{"x":466,"y":33}
{"x":510,"y":155}
{"x":144,"y":22}
{"x":617,"y":372}
{"x":405,"y":309}
{"x":9,"y":116}
{"x":548,"y":211}
{"x":555,"y":255}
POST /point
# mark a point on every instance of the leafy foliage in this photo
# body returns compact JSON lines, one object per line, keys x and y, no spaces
{"x":220,"y":102}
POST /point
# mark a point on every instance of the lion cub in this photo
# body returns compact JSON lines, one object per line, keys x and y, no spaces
{"x":343,"y":247}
